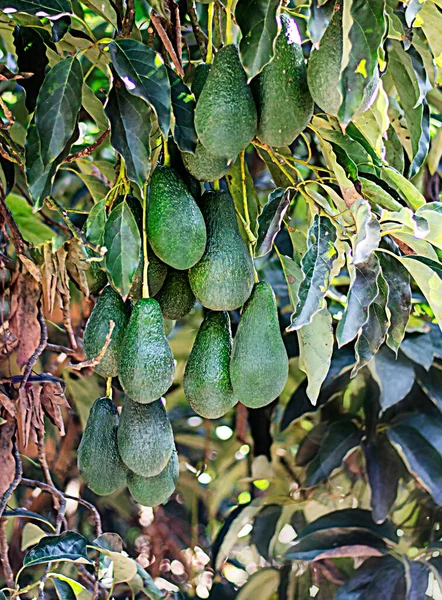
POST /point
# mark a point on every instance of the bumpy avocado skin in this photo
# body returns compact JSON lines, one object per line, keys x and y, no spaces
{"x":99,"y":461}
{"x":145,"y":437}
{"x":284,"y":103}
{"x":175,"y":225}
{"x":205,"y":166}
{"x":109,"y":306}
{"x":259,"y":364}
{"x":225,"y":114}
{"x":153,"y":491}
{"x":199,"y":78}
{"x":146,"y":365}
{"x":223,"y":278}
{"x":207,"y":377}
{"x":176,"y":297}
{"x":156,"y":275}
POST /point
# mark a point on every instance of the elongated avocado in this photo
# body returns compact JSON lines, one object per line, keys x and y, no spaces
{"x":259,"y":364}
{"x":109,"y":306}
{"x":156,"y":275}
{"x":223,"y":278}
{"x":145,"y":437}
{"x":152,"y":491}
{"x":199,"y":78}
{"x":176,"y":297}
{"x":207,"y":377}
{"x":205,"y":166}
{"x":99,"y":461}
{"x":146,"y":365}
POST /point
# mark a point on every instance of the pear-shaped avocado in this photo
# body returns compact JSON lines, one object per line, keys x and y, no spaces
{"x":205,"y":166}
{"x":223,"y":278}
{"x":225,"y":114}
{"x":109,"y":307}
{"x":176,"y":297}
{"x":259,"y":364}
{"x":98,"y":458}
{"x":199,"y":78}
{"x":145,"y":437}
{"x":281,"y":92}
{"x":152,"y":491}
{"x":175,"y":225}
{"x":146,"y":366}
{"x":207,"y":377}
{"x":156,"y":275}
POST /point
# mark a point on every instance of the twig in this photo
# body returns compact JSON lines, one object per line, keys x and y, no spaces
{"x":177,"y":30}
{"x":67,"y":322}
{"x":17,"y":238}
{"x":91,"y":507}
{"x":218,"y":30}
{"x":56,"y":494}
{"x":93,"y":362}
{"x":241,"y":423}
{"x":17,"y":478}
{"x":44,"y":463}
{"x":42,"y":345}
{"x":8,"y":114}
{"x":199,"y":34}
{"x":88,"y":151}
{"x":129,"y":19}
{"x":61,"y":349}
{"x":156,"y":22}
{"x":4,"y":557}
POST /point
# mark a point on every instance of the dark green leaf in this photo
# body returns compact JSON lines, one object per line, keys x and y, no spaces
{"x":376,"y":578}
{"x":104,"y":8}
{"x":419,"y":348}
{"x":431,"y":383}
{"x":60,"y":27}
{"x":95,"y":108}
{"x":183,"y":106}
{"x":270,"y":220}
{"x":47,"y":7}
{"x":399,"y":298}
{"x":394,"y":151}
{"x":26,"y":514}
{"x":64,"y":590}
{"x":293,"y":276}
{"x":95,"y":222}
{"x":280,"y":178}
{"x":336,"y":543}
{"x":144,"y":582}
{"x":234,"y":183}
{"x":309,"y":446}
{"x":7,"y":174}
{"x":69,"y":546}
{"x":264,"y":527}
{"x":320,"y":17}
{"x":109,"y":541}
{"x":395,"y":376}
{"x":378,"y":195}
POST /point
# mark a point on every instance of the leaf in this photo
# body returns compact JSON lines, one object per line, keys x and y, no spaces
{"x":293,"y":276}
{"x":124,"y":567}
{"x":335,"y":543}
{"x":279,"y":177}
{"x":47,"y":7}
{"x":395,"y":376}
{"x":264,"y":528}
{"x":399,"y":299}
{"x":320,"y":17}
{"x":234,"y":183}
{"x":144,"y":75}
{"x":427,"y":274}
{"x":431,"y":383}
{"x":64,"y":590}
{"x":103,"y":8}
{"x":144,"y":582}
{"x":259,"y":24}
{"x":130,"y":121}
{"x":69,"y":546}
{"x":261,"y":584}
{"x":435,"y":153}
{"x":368,"y":231}
{"x":27,"y":514}
{"x":408,"y":191}
{"x":7,"y":473}
{"x":95,"y":223}
{"x":270,"y":220}
{"x":79,"y":590}
{"x":432,"y":213}
{"x":31,"y":535}
{"x":183,"y":106}
{"x":376,"y":578}
{"x":31,"y":226}
{"x":419,"y":348}
{"x":123,"y":243}
{"x":109,"y":541}
{"x":95,"y":108}
{"x":95,"y":186}
{"x":23,"y":322}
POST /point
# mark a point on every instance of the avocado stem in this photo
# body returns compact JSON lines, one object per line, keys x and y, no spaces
{"x":229,"y":34}
{"x":166,"y":152}
{"x":209,"y":57}
{"x":218,"y":26}
{"x":216,"y":184}
{"x":109,"y":387}
{"x":145,"y":289}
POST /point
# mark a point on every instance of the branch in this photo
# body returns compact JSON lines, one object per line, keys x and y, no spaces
{"x":61,"y":349}
{"x":129,"y":19}
{"x":56,"y":495}
{"x":6,"y":216}
{"x":4,"y":558}
{"x":199,"y":34}
{"x":156,"y":22}
{"x":88,"y":151}
{"x":17,"y":478}
{"x":8,"y":114}
{"x":93,"y":362}
{"x":43,"y":341}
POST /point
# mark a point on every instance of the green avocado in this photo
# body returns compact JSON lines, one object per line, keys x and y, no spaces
{"x":223,"y":278}
{"x":225,"y":114}
{"x":145,"y":437}
{"x":152,"y":491}
{"x":175,"y":225}
{"x":207,"y":378}
{"x":176,"y":297}
{"x":109,"y":306}
{"x":146,"y":365}
{"x":99,"y":461}
{"x":156,"y":275}
{"x":281,"y":92}
{"x":205,"y":166}
{"x":259,"y":364}
{"x":199,"y":79}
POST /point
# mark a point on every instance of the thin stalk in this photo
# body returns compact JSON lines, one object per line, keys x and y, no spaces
{"x":229,"y":33}
{"x":209,"y":57}
{"x":109,"y":387}
{"x":166,"y":152}
{"x":145,"y":292}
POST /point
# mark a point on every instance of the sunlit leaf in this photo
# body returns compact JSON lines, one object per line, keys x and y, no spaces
{"x":183,"y":106}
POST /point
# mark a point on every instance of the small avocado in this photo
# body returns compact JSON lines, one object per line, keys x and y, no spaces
{"x":99,"y":461}
{"x":109,"y":306}
{"x":152,"y":491}
{"x":207,"y":378}
{"x":156,"y":275}
{"x":223,"y":278}
{"x":176,"y":297}
{"x":205,"y":166}
{"x":259,"y":364}
{"x":146,"y":365}
{"x":282,"y":96}
{"x":225,"y":114}
{"x":175,"y":225}
{"x":145,"y":437}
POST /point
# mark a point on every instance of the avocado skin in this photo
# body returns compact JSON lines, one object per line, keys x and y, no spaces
{"x":109,"y":306}
{"x":145,"y":437}
{"x":153,"y":491}
{"x":259,"y":364}
{"x":146,"y":365}
{"x":176,"y":298}
{"x":207,"y":378}
{"x":205,"y":166}
{"x":223,"y":278}
{"x":199,"y":79}
{"x":156,"y":275}
{"x":225,"y":114}
{"x":175,"y":225}
{"x":284,"y":103}
{"x":99,"y":461}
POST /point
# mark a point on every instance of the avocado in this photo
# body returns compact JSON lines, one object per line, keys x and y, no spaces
{"x":156,"y":275}
{"x":281,"y":92}
{"x":99,"y":461}
{"x":145,"y":437}
{"x":259,"y":364}
{"x":176,"y":297}
{"x":207,"y":378}
{"x":152,"y":491}
{"x":225,"y":113}
{"x":223,"y":278}
{"x":175,"y":225}
{"x":146,"y":366}
{"x":199,"y":78}
{"x":109,"y":306}
{"x":205,"y":166}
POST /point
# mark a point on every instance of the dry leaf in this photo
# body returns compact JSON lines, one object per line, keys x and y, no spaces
{"x":23,"y":323}
{"x":8,"y":404}
{"x":7,"y":462}
{"x":52,"y":399}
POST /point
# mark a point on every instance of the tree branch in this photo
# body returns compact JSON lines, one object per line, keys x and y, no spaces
{"x":43,"y":341}
{"x":156,"y":22}
{"x":93,"y":362}
{"x":6,"y":217}
{"x":199,"y":34}
{"x":129,"y":19}
{"x":17,"y":478}
{"x":88,"y":151}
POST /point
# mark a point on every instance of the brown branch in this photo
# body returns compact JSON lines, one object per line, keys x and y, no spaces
{"x":93,"y":362}
{"x":199,"y":34}
{"x":156,"y":22}
{"x":88,"y":151}
{"x":95,"y":514}
{"x":42,"y":345}
{"x":56,"y":495}
{"x":61,"y":349}
{"x":6,"y":216}
{"x":15,"y":481}
{"x":44,"y":463}
{"x":8,"y":114}
{"x":4,"y":557}
{"x":177,"y":30}
{"x":129,"y":19}
{"x":241,"y":423}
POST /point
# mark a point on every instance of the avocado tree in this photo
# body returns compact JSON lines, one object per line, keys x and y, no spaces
{"x":221,"y":275}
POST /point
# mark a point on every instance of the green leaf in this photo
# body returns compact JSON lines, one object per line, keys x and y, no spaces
{"x":95,"y":223}
{"x":378,"y":195}
{"x":125,"y":568}
{"x":123,"y":243}
{"x":26,"y":514}
{"x":264,"y":528}
{"x":368,"y":232}
{"x":234,"y":183}
{"x":144,"y":582}
{"x":293,"y":276}
{"x":69,"y":546}
{"x":95,"y":186}
{"x":419,"y":348}
{"x":95,"y":108}
{"x":378,"y":578}
{"x":31,"y":535}
{"x":144,"y":75}
{"x":47,"y":7}
{"x":183,"y":106}
{"x":259,"y":25}
{"x":428,"y":275}
{"x":399,"y":299}
{"x":261,"y":584}
{"x":64,"y":590}
{"x":103,"y":8}
{"x":320,"y":17}
{"x":432,"y":213}
{"x":431,"y":382}
{"x":270,"y":220}
{"x":79,"y":590}
{"x":129,"y":117}
{"x":395,"y":376}
{"x":280,"y":178}
{"x":435,"y":153}
{"x":31,"y":226}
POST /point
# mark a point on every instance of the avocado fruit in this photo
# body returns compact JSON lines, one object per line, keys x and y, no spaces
{"x":109,"y":306}
{"x":225,"y":113}
{"x":282,"y":96}
{"x":146,"y":365}
{"x":153,"y":491}
{"x":223,"y":278}
{"x":99,"y":460}
{"x":206,"y":381}
{"x":205,"y":166}
{"x":259,"y":363}
{"x":176,"y":298}
{"x":199,"y":78}
{"x":156,"y":275}
{"x":145,"y":437}
{"x":175,"y":225}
